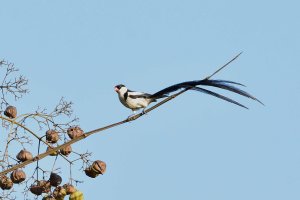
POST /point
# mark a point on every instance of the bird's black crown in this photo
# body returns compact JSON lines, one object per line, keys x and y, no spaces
{"x":120,"y":86}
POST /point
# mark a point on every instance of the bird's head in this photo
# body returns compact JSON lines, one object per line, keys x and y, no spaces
{"x":119,"y":88}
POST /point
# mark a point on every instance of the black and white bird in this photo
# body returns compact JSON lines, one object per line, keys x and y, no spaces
{"x":137,"y":100}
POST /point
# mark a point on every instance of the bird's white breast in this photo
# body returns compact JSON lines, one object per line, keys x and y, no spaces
{"x":133,"y":103}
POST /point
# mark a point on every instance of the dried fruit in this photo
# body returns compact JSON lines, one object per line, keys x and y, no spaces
{"x":66,"y":150}
{"x":90,"y":172}
{"x":45,"y":185}
{"x":69,"y":188}
{"x":59,"y":192}
{"x":74,"y":132}
{"x":55,"y":179}
{"x":99,"y":166}
{"x":52,"y":154}
{"x":6,"y":183}
{"x":41,"y":187}
{"x":24,"y":155}
{"x":10,"y":112}
{"x":35,"y":189}
{"x":52,"y":136}
{"x":18,"y":176}
{"x":48,"y":198}
{"x":77,"y":195}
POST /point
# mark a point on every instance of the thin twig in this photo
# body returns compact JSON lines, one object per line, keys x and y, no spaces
{"x":55,"y":149}
{"x":224,"y":66}
{"x":132,"y":118}
{"x":31,"y":132}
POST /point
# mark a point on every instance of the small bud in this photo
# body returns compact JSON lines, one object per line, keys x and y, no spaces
{"x":10,"y":112}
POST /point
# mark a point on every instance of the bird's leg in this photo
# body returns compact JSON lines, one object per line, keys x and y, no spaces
{"x":131,"y":114}
{"x":143,"y":112}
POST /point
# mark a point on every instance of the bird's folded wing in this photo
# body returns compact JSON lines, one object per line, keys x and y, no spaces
{"x":135,"y":95}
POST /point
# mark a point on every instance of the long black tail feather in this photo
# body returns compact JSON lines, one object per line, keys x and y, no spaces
{"x":231,"y":82}
{"x":222,"y":84}
{"x":218,"y":96}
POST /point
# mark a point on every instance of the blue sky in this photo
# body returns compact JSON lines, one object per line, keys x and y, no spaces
{"x":195,"y":147}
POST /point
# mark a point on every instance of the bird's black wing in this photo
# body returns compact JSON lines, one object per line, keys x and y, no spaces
{"x":135,"y":95}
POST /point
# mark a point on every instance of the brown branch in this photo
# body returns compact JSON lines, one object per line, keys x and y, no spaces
{"x":55,"y":149}
{"x":43,"y":155}
{"x":32,"y":133}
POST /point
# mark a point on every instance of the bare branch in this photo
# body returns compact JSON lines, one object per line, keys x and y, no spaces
{"x":56,"y":149}
{"x":12,"y":84}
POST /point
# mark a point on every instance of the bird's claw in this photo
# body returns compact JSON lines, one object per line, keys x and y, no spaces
{"x":130,"y":117}
{"x":143,"y":112}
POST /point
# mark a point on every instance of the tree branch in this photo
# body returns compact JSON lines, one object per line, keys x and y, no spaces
{"x":13,"y":121}
{"x":135,"y":117}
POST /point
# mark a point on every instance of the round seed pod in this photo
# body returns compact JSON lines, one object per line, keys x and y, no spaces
{"x":40,"y":187}
{"x":59,"y":192}
{"x":90,"y":172}
{"x":24,"y":155}
{"x":66,"y":151}
{"x":77,"y":195}
{"x":52,"y":136}
{"x":45,"y":185}
{"x":48,"y":198}
{"x":6,"y":183}
{"x":10,"y":112}
{"x":18,"y":176}
{"x":35,"y":189}
{"x":55,"y":180}
{"x":99,"y":166}
{"x":52,"y":154}
{"x":74,"y":132}
{"x":69,"y":188}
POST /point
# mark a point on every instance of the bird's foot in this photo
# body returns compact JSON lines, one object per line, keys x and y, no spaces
{"x":143,"y":112}
{"x":130,"y":117}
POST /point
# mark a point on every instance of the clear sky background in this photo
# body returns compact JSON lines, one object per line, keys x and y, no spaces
{"x":197,"y":146}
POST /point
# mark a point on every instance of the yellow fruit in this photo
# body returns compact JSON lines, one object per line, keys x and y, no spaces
{"x":76,"y":195}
